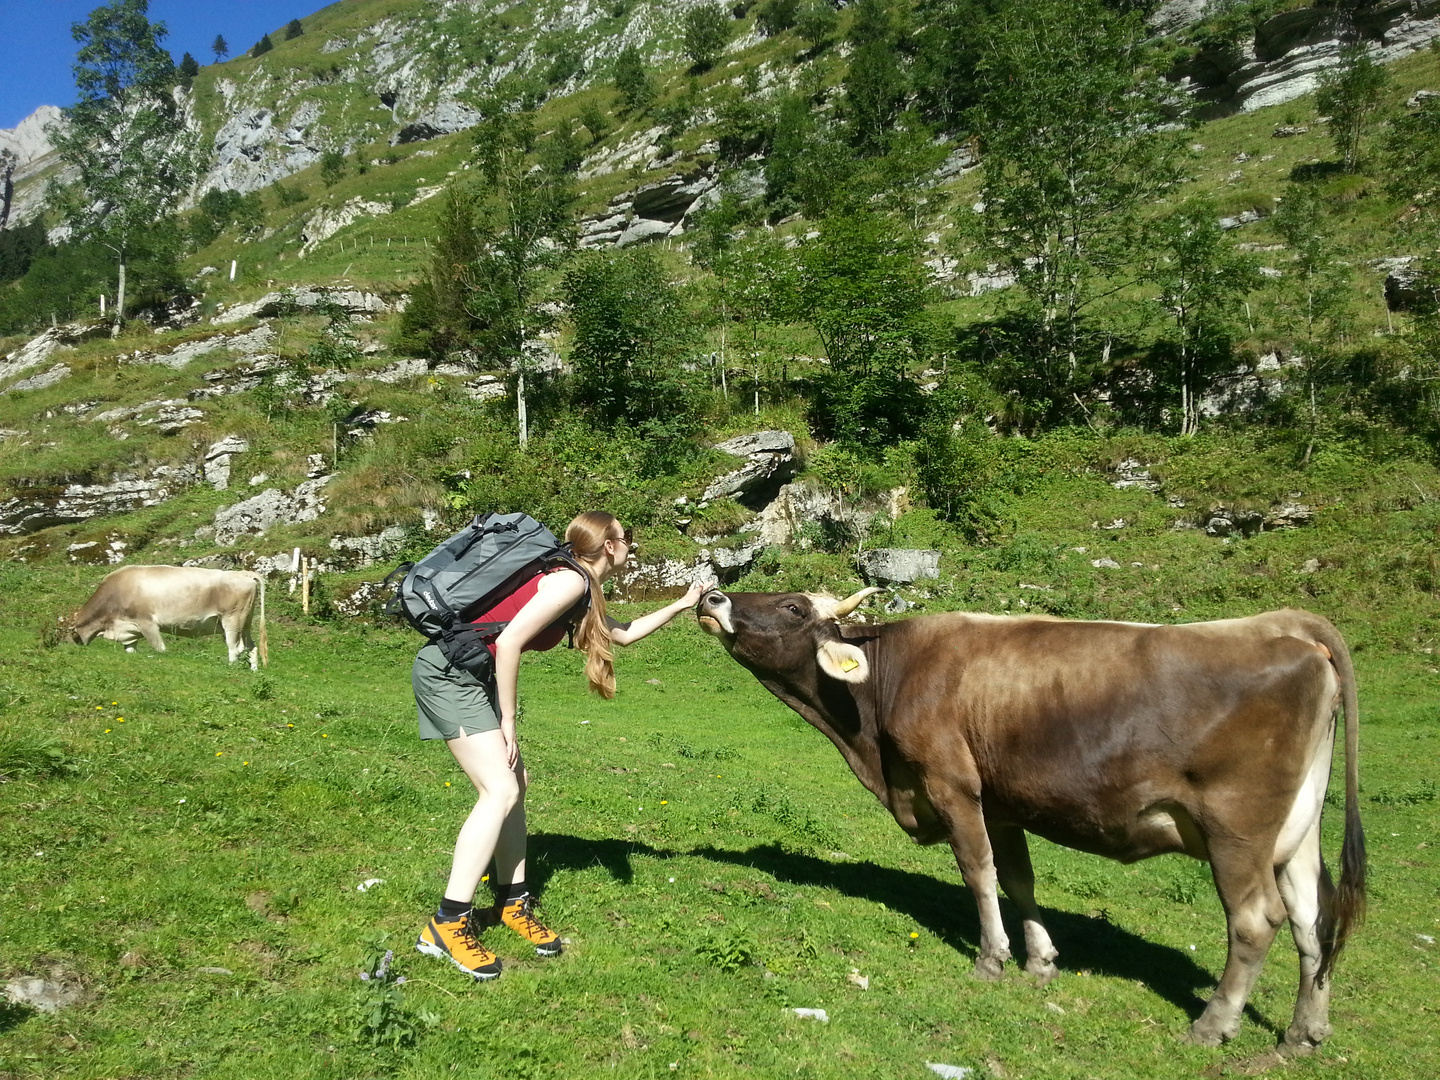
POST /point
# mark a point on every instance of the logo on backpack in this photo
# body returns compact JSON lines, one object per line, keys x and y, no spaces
{"x":444,"y":593}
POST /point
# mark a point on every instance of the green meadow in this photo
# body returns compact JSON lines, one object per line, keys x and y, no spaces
{"x":194,"y":868}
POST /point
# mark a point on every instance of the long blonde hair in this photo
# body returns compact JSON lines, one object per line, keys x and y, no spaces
{"x":587,"y":535}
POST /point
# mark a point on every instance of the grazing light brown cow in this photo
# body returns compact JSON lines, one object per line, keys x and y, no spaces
{"x":1124,"y":740}
{"x":136,"y":601}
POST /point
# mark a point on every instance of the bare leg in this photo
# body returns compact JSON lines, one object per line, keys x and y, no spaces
{"x":1254,"y":910}
{"x":510,"y":847}
{"x":1305,"y":885}
{"x":482,"y":757}
{"x":1017,"y":878}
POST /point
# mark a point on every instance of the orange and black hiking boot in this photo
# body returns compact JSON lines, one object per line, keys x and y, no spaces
{"x":519,"y":915}
{"x":458,"y":942}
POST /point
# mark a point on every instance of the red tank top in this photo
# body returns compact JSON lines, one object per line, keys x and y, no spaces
{"x":508,"y":608}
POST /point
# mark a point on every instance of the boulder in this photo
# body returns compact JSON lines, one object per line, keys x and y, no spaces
{"x":898,"y":566}
{"x":44,"y":379}
{"x":770,"y":462}
{"x":43,"y":995}
{"x":1226,"y":522}
{"x":445,"y":118}
{"x":271,"y":507}
{"x":217,"y":460}
{"x":1408,"y":289}
{"x":362,"y":551}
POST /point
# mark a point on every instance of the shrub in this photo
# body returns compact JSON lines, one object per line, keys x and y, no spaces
{"x":332,"y":167}
{"x":293,"y":29}
{"x":706,"y":32}
{"x":777,"y":16}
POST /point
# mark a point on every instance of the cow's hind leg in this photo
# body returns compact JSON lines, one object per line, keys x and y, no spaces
{"x":151,"y":630}
{"x":1017,"y":878}
{"x":1306,"y":888}
{"x":1254,"y":910}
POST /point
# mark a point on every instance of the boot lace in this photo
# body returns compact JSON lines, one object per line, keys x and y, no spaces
{"x":525,"y":916}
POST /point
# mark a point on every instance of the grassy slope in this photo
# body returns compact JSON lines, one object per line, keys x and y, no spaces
{"x":207,"y":832}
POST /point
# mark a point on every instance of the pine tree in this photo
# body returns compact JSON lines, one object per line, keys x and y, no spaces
{"x":262,"y":46}
{"x":633,"y":80}
{"x":220,"y":47}
{"x":189,"y":68}
{"x":293,"y":29}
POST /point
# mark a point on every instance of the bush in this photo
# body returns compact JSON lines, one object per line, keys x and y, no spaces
{"x":777,"y":16}
{"x":332,"y":167}
{"x":706,"y":32}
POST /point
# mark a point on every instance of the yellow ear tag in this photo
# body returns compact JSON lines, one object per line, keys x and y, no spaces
{"x":849,"y":664}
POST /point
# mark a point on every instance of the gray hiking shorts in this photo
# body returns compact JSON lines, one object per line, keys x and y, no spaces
{"x":450,"y":702}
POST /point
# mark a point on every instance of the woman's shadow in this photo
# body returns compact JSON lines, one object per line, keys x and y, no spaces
{"x":946,"y":909}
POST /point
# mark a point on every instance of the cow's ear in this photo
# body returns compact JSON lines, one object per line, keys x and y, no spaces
{"x":843,"y":661}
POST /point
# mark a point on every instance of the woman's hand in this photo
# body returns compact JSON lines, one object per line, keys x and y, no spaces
{"x":692,"y":597}
{"x":512,"y":745}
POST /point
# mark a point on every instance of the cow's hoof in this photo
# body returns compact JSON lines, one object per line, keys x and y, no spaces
{"x":1202,"y":1034}
{"x":1041,"y":971}
{"x":989,"y":968}
{"x":1302,"y":1039}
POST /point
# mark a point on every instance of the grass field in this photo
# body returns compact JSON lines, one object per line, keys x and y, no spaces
{"x":708,"y":855}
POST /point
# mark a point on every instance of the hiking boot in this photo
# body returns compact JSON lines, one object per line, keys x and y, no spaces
{"x":519,"y":915}
{"x":457,"y":941}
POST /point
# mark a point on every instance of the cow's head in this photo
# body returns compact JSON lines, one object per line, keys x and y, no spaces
{"x":786,"y":636}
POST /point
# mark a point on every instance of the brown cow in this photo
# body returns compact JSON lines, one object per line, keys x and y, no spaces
{"x":136,"y":601}
{"x":1124,"y":740}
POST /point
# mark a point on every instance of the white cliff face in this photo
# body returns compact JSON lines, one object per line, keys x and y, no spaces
{"x":28,"y":140}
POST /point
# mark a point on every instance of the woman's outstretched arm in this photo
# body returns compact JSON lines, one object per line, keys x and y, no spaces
{"x":645,"y":625}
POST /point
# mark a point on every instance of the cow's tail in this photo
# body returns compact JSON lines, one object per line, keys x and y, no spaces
{"x":262,"y":639}
{"x":1346,"y":904}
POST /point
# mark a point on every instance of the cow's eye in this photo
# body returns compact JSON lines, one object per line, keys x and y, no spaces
{"x":794,"y":609}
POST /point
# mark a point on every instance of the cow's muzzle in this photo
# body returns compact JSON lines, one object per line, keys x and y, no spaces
{"x":713,"y":613}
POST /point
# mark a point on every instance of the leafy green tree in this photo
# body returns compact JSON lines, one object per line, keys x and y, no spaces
{"x":18,"y":248}
{"x":816,"y":22}
{"x":1075,"y":140}
{"x":293,"y":29}
{"x":220,"y":47}
{"x":561,"y":151}
{"x":261,"y":47}
{"x":863,"y":290}
{"x":632,"y":79}
{"x":1314,"y":295}
{"x":438,"y":319}
{"x":525,"y":226}
{"x":875,"y":83}
{"x":705,"y":31}
{"x":763,"y":284}
{"x":949,"y":43}
{"x":774,"y":17}
{"x":1201,"y":282}
{"x":632,"y":334}
{"x":594,"y":119}
{"x":332,"y":166}
{"x":1410,"y":163}
{"x":1351,"y":94}
{"x":124,"y":137}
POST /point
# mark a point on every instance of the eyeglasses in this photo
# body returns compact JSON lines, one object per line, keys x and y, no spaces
{"x":628,"y":536}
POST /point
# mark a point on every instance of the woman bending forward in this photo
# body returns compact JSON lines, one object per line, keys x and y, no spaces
{"x":477,"y":722}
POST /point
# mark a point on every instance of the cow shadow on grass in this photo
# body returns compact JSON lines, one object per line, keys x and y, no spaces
{"x":944,"y":908}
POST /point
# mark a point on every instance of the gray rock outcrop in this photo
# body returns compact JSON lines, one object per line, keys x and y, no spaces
{"x":39,"y":349}
{"x":1407,"y":288}
{"x":43,"y":995}
{"x":217,"y":460}
{"x":770,"y":462}
{"x":351,"y":301}
{"x":271,"y":507}
{"x":35,"y":508}
{"x":898,"y":566}
{"x":358,"y":552}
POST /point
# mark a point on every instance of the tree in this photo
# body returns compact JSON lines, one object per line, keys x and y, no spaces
{"x":524,"y":225}
{"x":1350,"y":94}
{"x":633,"y":80}
{"x":293,"y":29}
{"x":1314,"y":302}
{"x":705,"y":33}
{"x":631,"y":334}
{"x":124,"y":137}
{"x":875,"y":84}
{"x":774,"y":17}
{"x":261,"y":47}
{"x":332,"y":166}
{"x":594,"y":119}
{"x":189,"y":68}
{"x":816,"y":21}
{"x":1201,"y":281}
{"x":1410,"y":164}
{"x":220,"y":47}
{"x":949,"y":44}
{"x":1075,"y":142}
{"x":863,"y":290}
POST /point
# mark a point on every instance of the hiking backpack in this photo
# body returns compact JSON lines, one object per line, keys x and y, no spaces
{"x":443,"y":594}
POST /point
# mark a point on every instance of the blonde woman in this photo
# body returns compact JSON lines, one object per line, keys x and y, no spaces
{"x":477,"y":722}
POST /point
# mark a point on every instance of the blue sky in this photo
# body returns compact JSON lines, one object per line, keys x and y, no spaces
{"x":36,"y":49}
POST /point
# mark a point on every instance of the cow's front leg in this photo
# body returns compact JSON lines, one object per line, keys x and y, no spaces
{"x":1017,"y":878}
{"x":151,"y":631}
{"x":971,"y":844}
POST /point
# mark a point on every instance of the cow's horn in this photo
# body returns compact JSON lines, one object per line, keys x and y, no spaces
{"x":850,"y":603}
